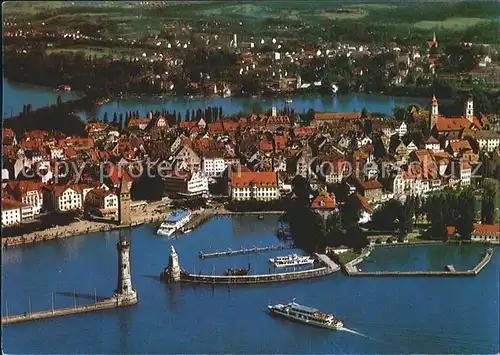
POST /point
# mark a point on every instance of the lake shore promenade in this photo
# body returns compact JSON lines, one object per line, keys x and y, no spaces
{"x":149,"y":215}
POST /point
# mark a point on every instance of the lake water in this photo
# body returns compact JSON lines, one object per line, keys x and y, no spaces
{"x":393,"y":315}
{"x":16,"y":95}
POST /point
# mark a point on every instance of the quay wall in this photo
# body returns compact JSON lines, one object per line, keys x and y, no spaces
{"x":352,"y":271}
{"x":256,"y":279}
{"x":106,"y":304}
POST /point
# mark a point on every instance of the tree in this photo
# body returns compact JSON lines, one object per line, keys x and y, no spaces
{"x":105,"y":119}
{"x":364,"y":113}
{"x":490,"y":188}
{"x":187,"y":115}
{"x":310,"y":115}
{"x":59,"y":100}
{"x":368,"y":126}
{"x":179,"y":118}
{"x":406,"y":217}
{"x":466,"y":208}
{"x":115,"y":118}
{"x":350,"y":212}
{"x":399,"y":113}
{"x":120,"y":121}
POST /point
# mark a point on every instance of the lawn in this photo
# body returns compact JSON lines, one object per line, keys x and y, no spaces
{"x":347,"y":256}
{"x":455,"y":23}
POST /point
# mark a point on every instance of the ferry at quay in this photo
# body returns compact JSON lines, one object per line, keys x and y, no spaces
{"x":291,"y":260}
{"x":307,"y":315}
{"x":174,"y":222}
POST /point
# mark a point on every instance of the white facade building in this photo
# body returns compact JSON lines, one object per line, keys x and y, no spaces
{"x":11,"y":213}
{"x":261,"y":186}
{"x":488,"y":140}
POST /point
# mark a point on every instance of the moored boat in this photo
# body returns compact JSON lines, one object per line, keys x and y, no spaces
{"x":291,"y":260}
{"x":308,"y":315}
{"x":174,"y":222}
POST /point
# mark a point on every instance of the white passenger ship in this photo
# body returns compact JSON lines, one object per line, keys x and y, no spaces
{"x":308,"y":315}
{"x":291,"y":260}
{"x":174,"y":222}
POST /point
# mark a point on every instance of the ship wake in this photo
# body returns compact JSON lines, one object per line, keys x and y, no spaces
{"x":352,"y":331}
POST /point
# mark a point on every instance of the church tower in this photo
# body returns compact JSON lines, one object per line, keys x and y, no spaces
{"x":434,"y":112}
{"x":124,"y":293}
{"x":469,"y":109}
{"x":124,"y":203}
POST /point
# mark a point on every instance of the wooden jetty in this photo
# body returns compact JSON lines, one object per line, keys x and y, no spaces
{"x":230,"y":252}
{"x":97,"y":306}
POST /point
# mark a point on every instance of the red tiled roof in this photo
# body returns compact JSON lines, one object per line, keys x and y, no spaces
{"x":324,"y":201}
{"x":371,"y":184}
{"x":262,"y":179}
{"x":460,"y":145}
{"x":431,"y":140}
{"x":364,"y":203}
{"x":486,"y":229}
{"x":216,"y":127}
{"x":230,"y":126}
{"x":95,"y":126}
{"x":9,"y":204}
{"x":328,"y":116}
{"x":116,"y":173}
{"x":7,"y":132}
{"x":451,"y":124}
{"x":280,"y":142}
{"x":187,"y":125}
{"x":265,"y":145}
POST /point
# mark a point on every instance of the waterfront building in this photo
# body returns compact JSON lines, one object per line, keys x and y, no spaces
{"x":186,"y":183}
{"x":28,"y":192}
{"x":13,"y":212}
{"x":63,"y":198}
{"x":106,"y":201}
{"x":261,"y":186}
{"x":486,"y":232}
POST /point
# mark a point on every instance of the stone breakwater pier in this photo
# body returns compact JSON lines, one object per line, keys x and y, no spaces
{"x":174,"y":273}
{"x":352,"y":270}
{"x":123,"y":296}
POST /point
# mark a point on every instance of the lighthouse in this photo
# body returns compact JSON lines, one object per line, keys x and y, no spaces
{"x":124,"y":293}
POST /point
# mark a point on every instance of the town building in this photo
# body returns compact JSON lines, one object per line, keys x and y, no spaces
{"x":186,"y":183}
{"x":261,"y":186}
{"x":324,"y":204}
{"x":488,"y":140}
{"x":63,"y":198}
{"x":11,"y":212}
{"x":486,"y":232}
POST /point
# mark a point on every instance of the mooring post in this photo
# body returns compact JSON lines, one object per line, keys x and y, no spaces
{"x":95,"y":295}
{"x":29,"y":304}
{"x":52,"y":302}
{"x":74,"y":297}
